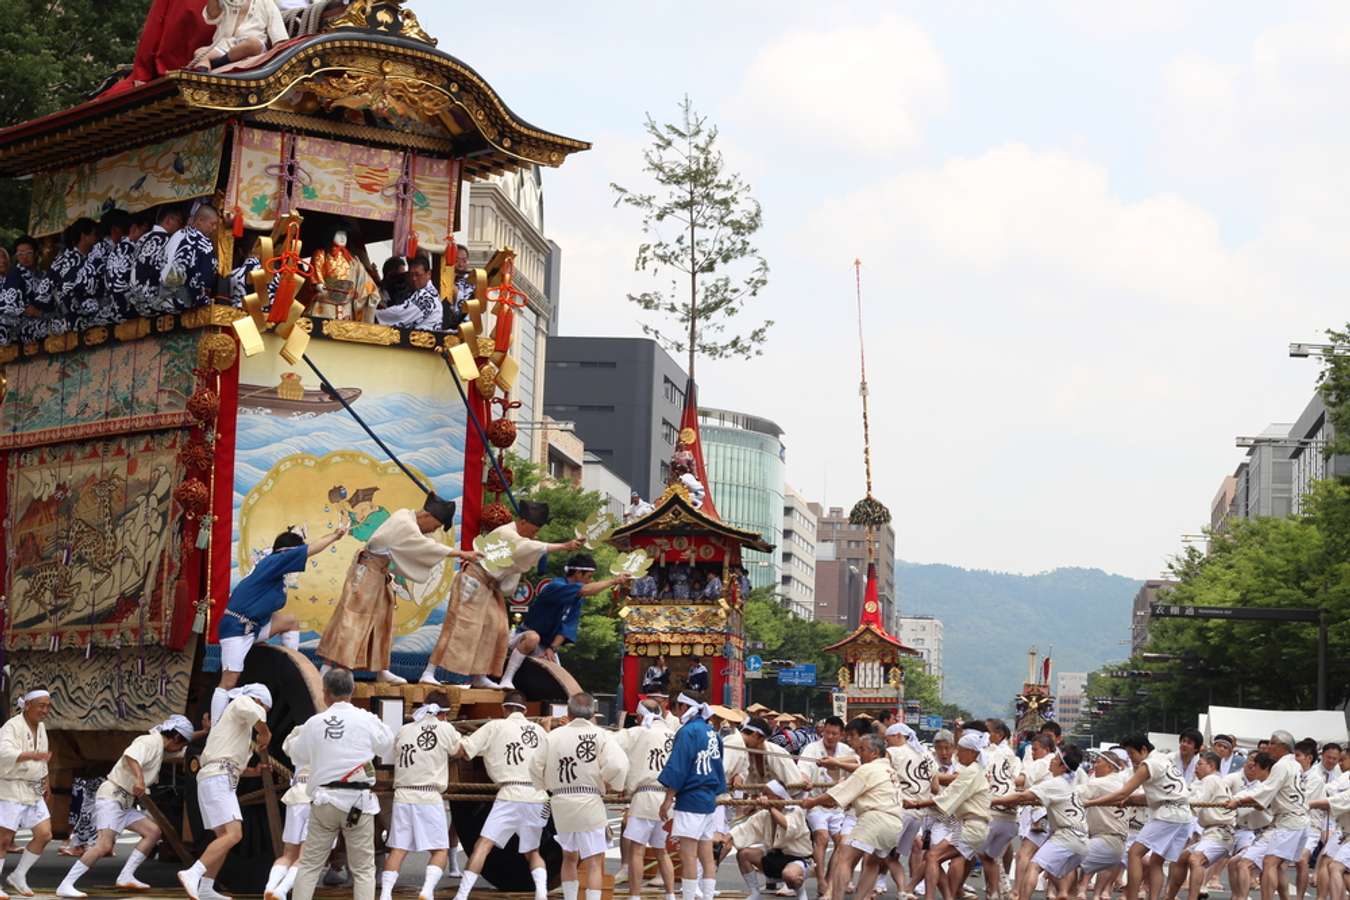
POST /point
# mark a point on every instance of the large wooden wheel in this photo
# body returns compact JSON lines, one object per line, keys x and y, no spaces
{"x":297,"y":694}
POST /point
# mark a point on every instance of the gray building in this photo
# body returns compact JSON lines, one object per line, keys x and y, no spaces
{"x":1153,"y":591}
{"x":625,"y":397}
{"x":1310,"y":436}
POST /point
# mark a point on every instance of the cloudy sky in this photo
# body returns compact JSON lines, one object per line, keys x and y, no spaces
{"x":1088,"y":234}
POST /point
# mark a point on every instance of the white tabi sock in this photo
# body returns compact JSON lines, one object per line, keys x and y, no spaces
{"x":288,"y":882}
{"x":128,"y":872}
{"x":512,"y":667}
{"x":274,"y":877}
{"x":387,"y":880}
{"x":593,"y":895}
{"x":25,"y":863}
{"x":689,"y":888}
{"x":429,"y":673}
{"x":570,"y":889}
{"x":801,"y":892}
{"x":290,"y":640}
{"x":752,"y":882}
{"x":74,"y":874}
{"x":466,"y":883}
{"x":220,"y":698}
{"x":429,"y":883}
{"x":670,"y":897}
{"x":197,"y":869}
{"x":709,"y":888}
{"x":540,"y":877}
{"x":206,"y":884}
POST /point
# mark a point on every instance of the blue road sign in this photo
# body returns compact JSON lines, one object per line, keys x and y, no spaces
{"x":753,"y":664}
{"x":798,"y":675}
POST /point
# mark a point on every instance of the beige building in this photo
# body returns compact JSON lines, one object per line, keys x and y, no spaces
{"x":924,"y":633}
{"x":840,"y":585}
{"x":1070,"y":695}
{"x":798,"y":550}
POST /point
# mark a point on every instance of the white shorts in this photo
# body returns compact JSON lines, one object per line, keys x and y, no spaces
{"x":14,"y":816}
{"x":1167,"y":839}
{"x":1057,"y":858}
{"x":110,"y":816}
{"x":1342,"y":855}
{"x":297,"y":824}
{"x":1104,"y":852}
{"x":1037,"y":837}
{"x":646,"y":832}
{"x":584,"y":843}
{"x":218,"y":801}
{"x":234,"y":649}
{"x":700,"y":826}
{"x":721,"y":825}
{"x":940,"y":832}
{"x":1313,"y":839}
{"x":867,"y":849}
{"x":1242,"y":839}
{"x":819,"y":818}
{"x":516,"y":817}
{"x":1333,"y":844}
{"x":1001,"y":833}
{"x":1286,"y":843}
{"x":1256,"y":853}
{"x":908,"y":834}
{"x":966,"y":851}
{"x":1212,"y":851}
{"x":418,"y":827}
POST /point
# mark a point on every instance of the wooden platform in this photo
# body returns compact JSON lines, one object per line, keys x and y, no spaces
{"x":417,"y":694}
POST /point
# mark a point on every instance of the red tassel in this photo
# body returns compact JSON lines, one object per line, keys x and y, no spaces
{"x":412,"y":245}
{"x":238,"y":222}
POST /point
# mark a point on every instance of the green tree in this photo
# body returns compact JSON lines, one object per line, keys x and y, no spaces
{"x":1334,"y":383}
{"x":699,"y":226}
{"x":52,"y":55}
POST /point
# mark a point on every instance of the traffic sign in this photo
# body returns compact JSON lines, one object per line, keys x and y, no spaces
{"x":804,"y":674}
{"x":753,"y":664}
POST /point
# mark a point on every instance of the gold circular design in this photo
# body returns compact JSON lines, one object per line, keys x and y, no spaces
{"x":687,"y":436}
{"x":871,"y":606}
{"x":217,"y":351}
{"x":252,"y":99}
{"x":454,"y":87}
{"x":506,"y":142}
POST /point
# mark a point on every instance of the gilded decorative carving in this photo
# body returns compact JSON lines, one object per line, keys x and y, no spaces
{"x":132,"y":329}
{"x":361,"y":332}
{"x":486,"y":347}
{"x":386,"y":16}
{"x":9,"y":354}
{"x":60,"y":343}
{"x":217,"y":351}
{"x":95,"y":336}
{"x":422,"y":339}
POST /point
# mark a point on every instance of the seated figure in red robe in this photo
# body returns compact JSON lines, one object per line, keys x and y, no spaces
{"x":174,"y":31}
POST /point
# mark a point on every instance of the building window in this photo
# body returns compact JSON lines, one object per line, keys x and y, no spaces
{"x":669,"y":432}
{"x":674,"y":394}
{"x":665,"y":472}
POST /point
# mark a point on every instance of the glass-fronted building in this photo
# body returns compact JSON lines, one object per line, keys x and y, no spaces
{"x":744,"y":457}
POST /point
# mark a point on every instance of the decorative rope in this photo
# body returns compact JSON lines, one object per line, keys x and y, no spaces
{"x":482,"y":434}
{"x":862,"y":390}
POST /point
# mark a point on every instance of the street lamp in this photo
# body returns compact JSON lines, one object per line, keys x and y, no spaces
{"x":1303,"y":351}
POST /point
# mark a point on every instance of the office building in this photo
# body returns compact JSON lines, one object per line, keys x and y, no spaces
{"x":839,"y":588}
{"x":798,"y":555}
{"x":1070,"y":694}
{"x":744,"y":455}
{"x":613,"y":490}
{"x":624,"y":396}
{"x":924,"y":633}
{"x":1309,"y":438}
{"x":849,"y":545}
{"x":1153,"y":591}
{"x":559,"y":452}
{"x":508,"y":211}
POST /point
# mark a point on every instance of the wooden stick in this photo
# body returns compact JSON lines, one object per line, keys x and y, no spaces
{"x":166,"y":829}
{"x":273,"y":811}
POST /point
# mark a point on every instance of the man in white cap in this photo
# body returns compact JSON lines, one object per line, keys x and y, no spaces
{"x":647,"y":746}
{"x":966,"y":800}
{"x":424,"y":748}
{"x":872,"y":793}
{"x":1253,"y":824}
{"x":663,"y":700}
{"x":224,"y":761}
{"x":774,"y":842}
{"x":507,"y":746}
{"x":577,"y":764}
{"x":1060,"y":856}
{"x":770,"y":761}
{"x":339,"y":745}
{"x":824,"y":762}
{"x":1107,"y":826}
{"x":1281,"y":794}
{"x":23,"y":784}
{"x":115,"y":804}
{"x":914,"y":768}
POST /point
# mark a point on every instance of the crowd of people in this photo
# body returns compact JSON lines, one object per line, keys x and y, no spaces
{"x":165,"y":261}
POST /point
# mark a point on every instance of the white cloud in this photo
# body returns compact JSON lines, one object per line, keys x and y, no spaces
{"x":1015,"y":205}
{"x":864,"y":90}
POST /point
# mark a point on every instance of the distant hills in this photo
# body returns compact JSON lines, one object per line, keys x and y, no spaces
{"x":990,"y":619}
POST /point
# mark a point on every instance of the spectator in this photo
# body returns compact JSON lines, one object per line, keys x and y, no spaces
{"x":657,"y":678}
{"x":422,"y":309}
{"x":25,"y":297}
{"x":697,"y":677}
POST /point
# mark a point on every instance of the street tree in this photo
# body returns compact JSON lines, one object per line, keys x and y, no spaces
{"x":699,"y":226}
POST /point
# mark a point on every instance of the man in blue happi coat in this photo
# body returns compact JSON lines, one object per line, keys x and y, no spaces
{"x":693,"y":779}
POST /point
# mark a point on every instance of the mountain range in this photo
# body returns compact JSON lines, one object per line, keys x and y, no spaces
{"x":991,"y":619}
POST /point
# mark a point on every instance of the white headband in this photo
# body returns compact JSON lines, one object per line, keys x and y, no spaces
{"x":973,"y":740}
{"x":774,"y":787}
{"x":429,"y":709}
{"x":512,"y":704}
{"x":31,"y":696}
{"x":1117,"y":757}
{"x":578,"y":568}
{"x":901,"y":728}
{"x":257,"y":692}
{"x":702,"y":710}
{"x":178,"y":725}
{"x":755,"y":729}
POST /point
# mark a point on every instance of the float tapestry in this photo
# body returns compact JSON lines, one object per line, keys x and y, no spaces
{"x":301,"y":461}
{"x":92,"y":542}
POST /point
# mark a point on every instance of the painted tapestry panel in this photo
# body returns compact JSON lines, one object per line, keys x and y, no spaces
{"x":347,"y":179}
{"x":432,"y":200}
{"x":91,"y":541}
{"x":256,"y":182}
{"x":301,"y":460}
{"x":108,"y":690}
{"x":170,"y":171}
{"x":114,"y":389}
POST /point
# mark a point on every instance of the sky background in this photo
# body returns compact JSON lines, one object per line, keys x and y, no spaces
{"x":1088,"y":234}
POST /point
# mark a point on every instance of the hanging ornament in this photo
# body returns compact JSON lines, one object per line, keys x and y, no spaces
{"x":494,"y":516}
{"x":502,"y":432}
{"x":196,"y":457}
{"x":204,"y":405}
{"x":193,"y":495}
{"x":204,"y":532}
{"x":494,"y":481}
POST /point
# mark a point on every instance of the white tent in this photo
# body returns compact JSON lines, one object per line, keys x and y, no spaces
{"x":1252,"y":725}
{"x":1161,"y":740}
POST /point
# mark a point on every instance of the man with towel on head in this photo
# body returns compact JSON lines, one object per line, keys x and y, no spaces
{"x":914,"y":767}
{"x":774,"y":842}
{"x":507,"y":746}
{"x":23,"y":784}
{"x":223,"y":763}
{"x":966,"y":800}
{"x":648,"y":746}
{"x":473,"y":637}
{"x":115,"y":804}
{"x":423,"y":751}
{"x":360,"y":633}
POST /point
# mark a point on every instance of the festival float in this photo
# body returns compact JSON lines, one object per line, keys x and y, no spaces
{"x":148,"y":464}
{"x":689,"y":603}
{"x":872,"y":679}
{"x":1035,"y":706}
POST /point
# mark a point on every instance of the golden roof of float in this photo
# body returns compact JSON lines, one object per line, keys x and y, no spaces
{"x":404,"y":92}
{"x":675,"y":514}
